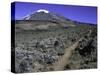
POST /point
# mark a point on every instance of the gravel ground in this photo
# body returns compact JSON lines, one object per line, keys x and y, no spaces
{"x":36,"y":51}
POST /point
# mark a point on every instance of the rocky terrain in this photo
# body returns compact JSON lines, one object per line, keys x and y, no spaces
{"x":42,"y":46}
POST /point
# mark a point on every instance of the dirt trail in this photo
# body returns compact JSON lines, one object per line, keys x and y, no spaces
{"x":64,"y":60}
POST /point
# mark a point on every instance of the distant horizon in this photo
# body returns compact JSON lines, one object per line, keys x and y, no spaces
{"x":85,"y":14}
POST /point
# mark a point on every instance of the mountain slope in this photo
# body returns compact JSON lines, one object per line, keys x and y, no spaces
{"x":43,"y":20}
{"x":45,"y":15}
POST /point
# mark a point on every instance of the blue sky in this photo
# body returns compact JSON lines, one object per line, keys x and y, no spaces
{"x":85,"y":14}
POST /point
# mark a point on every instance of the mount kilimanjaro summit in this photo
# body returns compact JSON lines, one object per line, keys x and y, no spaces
{"x":43,"y":19}
{"x":45,"y":15}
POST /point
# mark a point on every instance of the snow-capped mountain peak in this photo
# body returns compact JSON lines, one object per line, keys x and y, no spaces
{"x":45,"y":15}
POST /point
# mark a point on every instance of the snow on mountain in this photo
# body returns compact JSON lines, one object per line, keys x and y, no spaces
{"x":43,"y":10}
